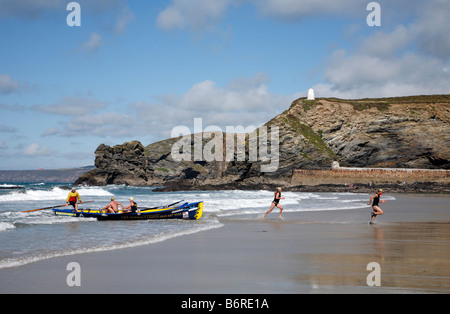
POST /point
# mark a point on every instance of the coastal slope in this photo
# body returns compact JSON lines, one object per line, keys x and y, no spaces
{"x":401,"y":132}
{"x":67,"y":175}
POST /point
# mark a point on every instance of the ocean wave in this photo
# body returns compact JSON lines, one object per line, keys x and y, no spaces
{"x":14,"y":262}
{"x":19,"y":219}
{"x":51,"y":220}
{"x":43,"y":224}
{"x":54,"y":193}
{"x":6,"y":226}
{"x":93,"y":191}
{"x":8,"y":186}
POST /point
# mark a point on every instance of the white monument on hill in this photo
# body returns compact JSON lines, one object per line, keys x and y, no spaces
{"x":311,"y":94}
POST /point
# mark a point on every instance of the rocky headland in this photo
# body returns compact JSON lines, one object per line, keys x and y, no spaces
{"x":403,"y":132}
{"x":68,"y":175}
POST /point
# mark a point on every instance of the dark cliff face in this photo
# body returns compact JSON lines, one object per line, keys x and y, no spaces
{"x":409,"y":132}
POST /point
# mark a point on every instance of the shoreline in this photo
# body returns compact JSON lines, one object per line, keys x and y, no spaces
{"x":309,"y":252}
{"x":419,"y":188}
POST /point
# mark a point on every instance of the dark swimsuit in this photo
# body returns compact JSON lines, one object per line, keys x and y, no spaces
{"x":275,"y":200}
{"x":376,"y":201}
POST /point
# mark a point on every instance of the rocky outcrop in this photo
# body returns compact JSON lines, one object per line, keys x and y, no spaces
{"x":408,"y":132}
{"x":121,"y":164}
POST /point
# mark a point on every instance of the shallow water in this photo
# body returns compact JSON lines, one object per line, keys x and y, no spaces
{"x":29,"y":237}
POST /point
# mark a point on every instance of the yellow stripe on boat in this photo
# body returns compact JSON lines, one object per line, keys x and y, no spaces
{"x":199,"y":212}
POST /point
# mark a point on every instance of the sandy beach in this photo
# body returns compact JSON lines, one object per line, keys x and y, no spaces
{"x":308,"y":252}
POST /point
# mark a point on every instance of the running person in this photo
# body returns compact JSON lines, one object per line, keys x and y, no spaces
{"x":276,"y":203}
{"x":376,"y":198}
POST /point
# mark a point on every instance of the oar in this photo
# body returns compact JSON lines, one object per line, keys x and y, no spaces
{"x":35,"y":210}
{"x":160,"y":207}
{"x":174,"y":203}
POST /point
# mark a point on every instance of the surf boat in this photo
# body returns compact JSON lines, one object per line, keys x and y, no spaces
{"x":187,"y":211}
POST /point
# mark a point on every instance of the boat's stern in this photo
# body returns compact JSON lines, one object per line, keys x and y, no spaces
{"x":196,"y":211}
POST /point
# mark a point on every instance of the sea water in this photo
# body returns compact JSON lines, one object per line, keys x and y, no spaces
{"x":35,"y":236}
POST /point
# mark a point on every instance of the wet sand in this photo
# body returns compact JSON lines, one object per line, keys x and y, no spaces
{"x":310,"y":252}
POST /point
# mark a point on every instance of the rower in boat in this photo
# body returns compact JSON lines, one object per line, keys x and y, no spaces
{"x":112,"y":207}
{"x":132,"y":207}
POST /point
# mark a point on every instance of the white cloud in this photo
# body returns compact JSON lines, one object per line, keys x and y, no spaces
{"x":250,"y":103}
{"x":408,"y":55}
{"x":125,"y":17}
{"x":72,"y":106}
{"x":105,"y":124}
{"x":207,"y":95}
{"x":8,"y":85}
{"x":293,"y":10}
{"x":431,"y":30}
{"x":410,"y":59}
{"x":365,"y":75}
{"x":29,"y":9}
{"x":204,"y":14}
{"x":192,"y":14}
{"x":36,"y":150}
{"x":92,"y":45}
{"x":7,"y":129}
{"x":51,"y":131}
{"x":33,"y":9}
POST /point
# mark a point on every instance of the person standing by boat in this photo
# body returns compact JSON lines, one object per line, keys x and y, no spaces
{"x":72,"y":199}
{"x":276,"y":203}
{"x":375,"y":200}
{"x":132,"y":207}
{"x":112,"y":207}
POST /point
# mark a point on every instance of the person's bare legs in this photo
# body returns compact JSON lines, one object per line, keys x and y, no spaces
{"x":269,"y":211}
{"x":110,"y":210}
{"x":376,"y":211}
{"x":281,"y":210}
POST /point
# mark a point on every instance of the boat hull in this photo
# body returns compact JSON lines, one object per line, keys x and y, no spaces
{"x":187,"y":211}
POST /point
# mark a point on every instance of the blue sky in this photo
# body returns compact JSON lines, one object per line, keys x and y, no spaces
{"x":136,"y":69}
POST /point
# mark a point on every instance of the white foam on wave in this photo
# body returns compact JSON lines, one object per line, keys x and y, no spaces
{"x":9,"y":186}
{"x":93,"y":191}
{"x":55,"y":193}
{"x":11,"y":218}
{"x":240,"y":201}
{"x":34,"y":195}
{"x":52,"y":219}
{"x":6,"y":226}
{"x":13,"y":262}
